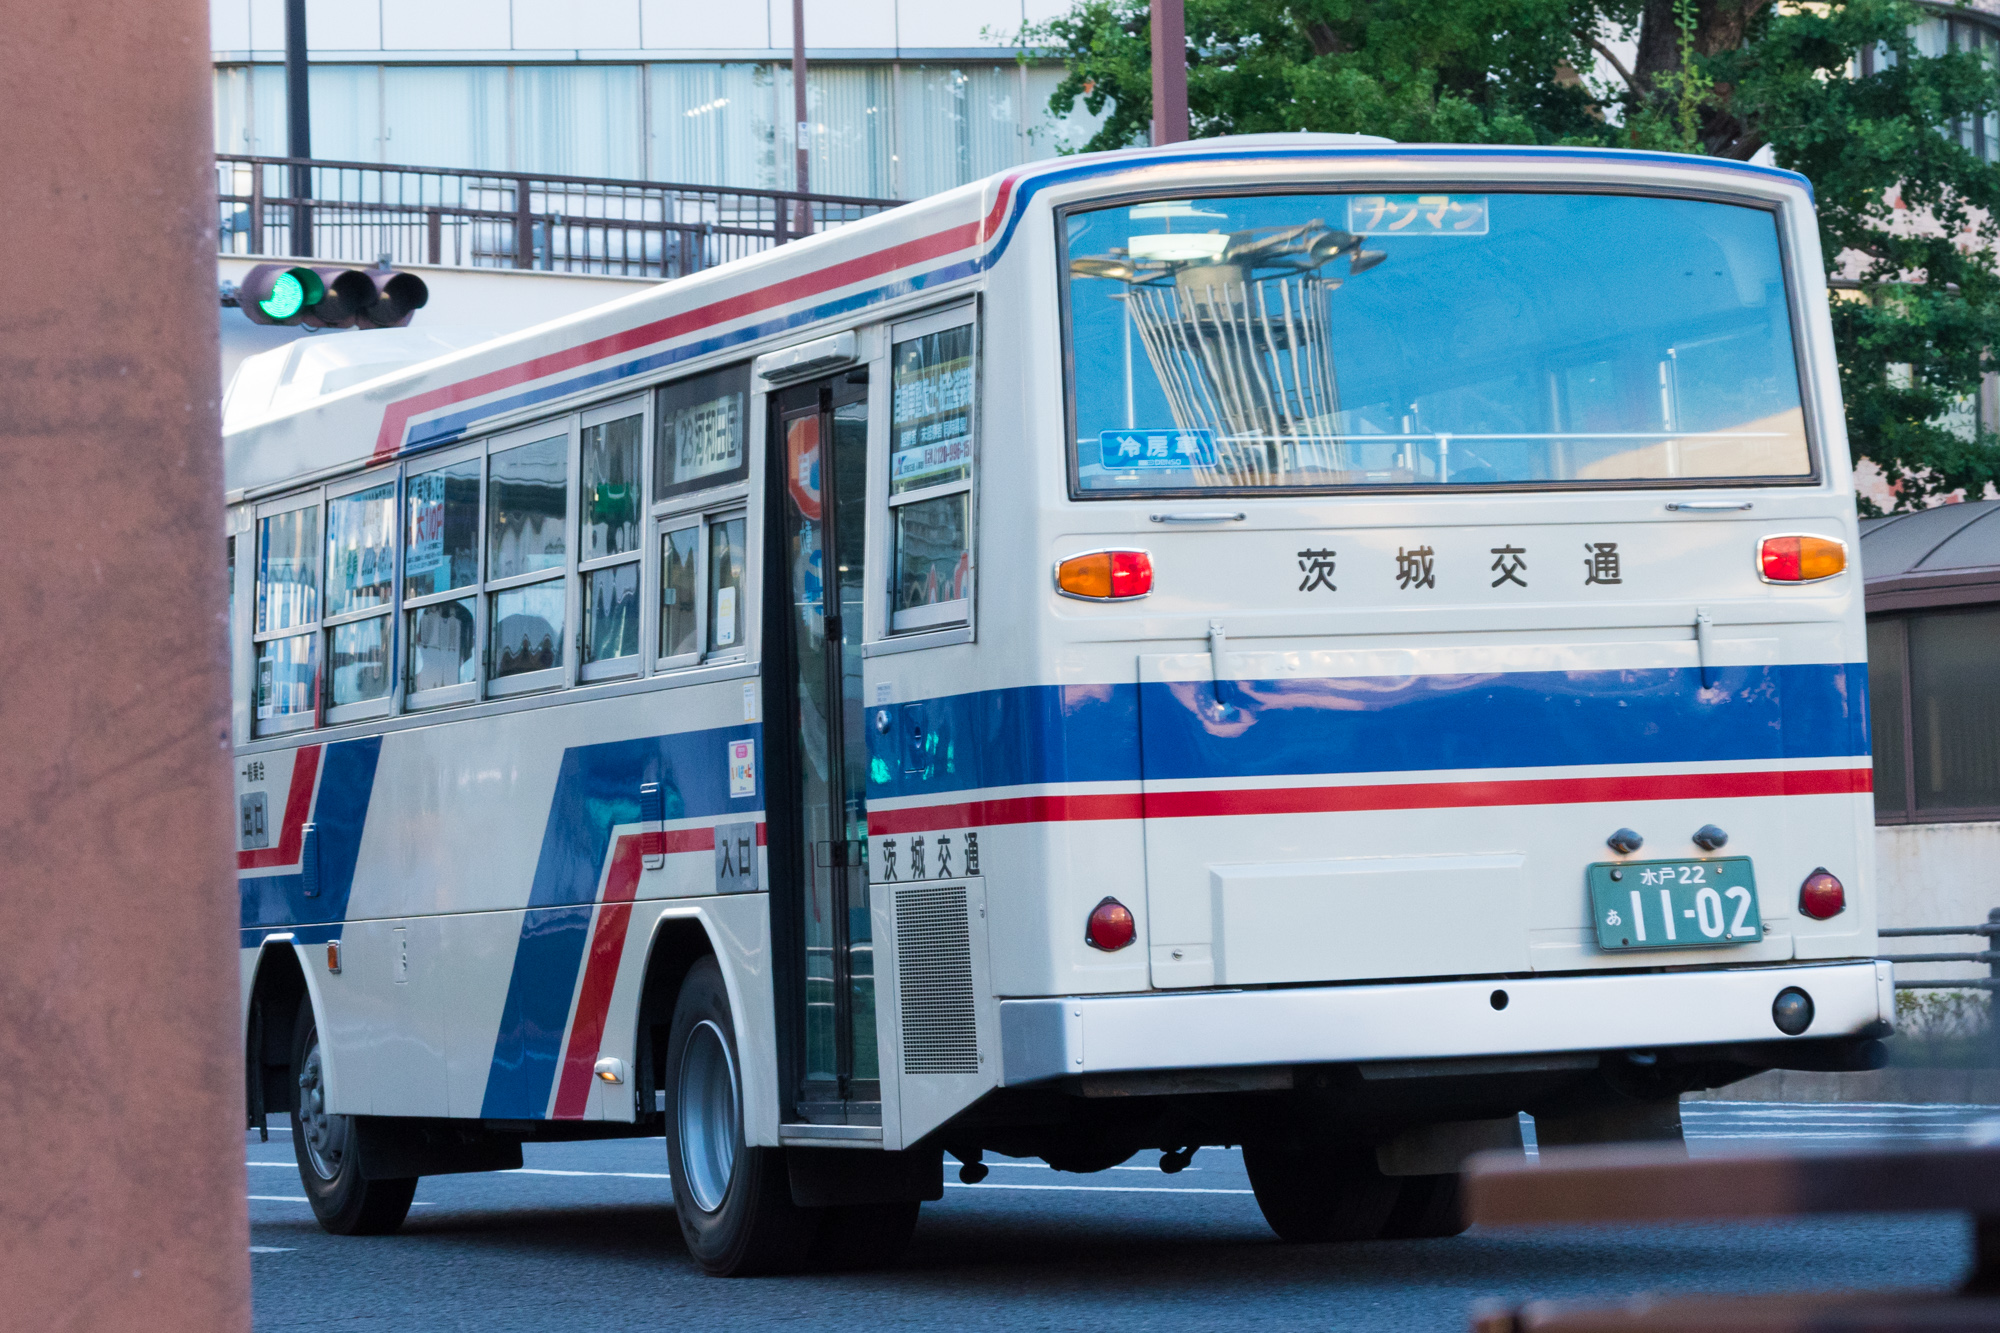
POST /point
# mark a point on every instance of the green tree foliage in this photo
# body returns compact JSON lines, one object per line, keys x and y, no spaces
{"x":1904,"y":209}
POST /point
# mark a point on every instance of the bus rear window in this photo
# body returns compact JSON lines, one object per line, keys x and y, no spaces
{"x":1311,"y":342}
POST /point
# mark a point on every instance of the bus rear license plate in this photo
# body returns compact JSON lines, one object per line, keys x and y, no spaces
{"x":1675,"y":904}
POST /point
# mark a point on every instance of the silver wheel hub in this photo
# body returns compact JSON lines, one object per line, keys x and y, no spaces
{"x":324,"y":1135}
{"x":708,"y":1115}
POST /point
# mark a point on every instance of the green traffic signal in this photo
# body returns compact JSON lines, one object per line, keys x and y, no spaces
{"x":291,"y":292}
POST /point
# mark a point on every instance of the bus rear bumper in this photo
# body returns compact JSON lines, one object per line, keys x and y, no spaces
{"x":1053,"y":1038}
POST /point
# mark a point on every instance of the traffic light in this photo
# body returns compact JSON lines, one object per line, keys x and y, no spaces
{"x":331,"y":298}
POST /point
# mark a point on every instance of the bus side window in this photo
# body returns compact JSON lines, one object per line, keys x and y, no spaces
{"x":680,"y":554}
{"x":360,"y":596}
{"x":440,"y":574}
{"x":526,"y":517}
{"x":612,"y":513}
{"x":700,"y":447}
{"x":930,"y":472}
{"x":727,"y":553}
{"x":287,"y":618}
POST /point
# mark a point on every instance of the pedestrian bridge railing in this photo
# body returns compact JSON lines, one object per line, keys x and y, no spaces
{"x":361,"y":212}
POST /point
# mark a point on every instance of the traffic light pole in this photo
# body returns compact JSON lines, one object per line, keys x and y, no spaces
{"x":1170,"y":108}
{"x":121,"y":1127}
{"x":298,"y":125}
{"x":802,"y":132}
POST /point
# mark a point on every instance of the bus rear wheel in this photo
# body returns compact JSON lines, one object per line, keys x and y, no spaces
{"x":734,"y":1201}
{"x":345,"y":1202}
{"x":1314,"y":1191}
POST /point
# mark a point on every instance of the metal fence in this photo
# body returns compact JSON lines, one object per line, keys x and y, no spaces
{"x":360,"y":212}
{"x":1988,"y":956}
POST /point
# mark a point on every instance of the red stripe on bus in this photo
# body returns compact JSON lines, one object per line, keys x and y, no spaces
{"x":600,"y":975}
{"x":685,"y":840}
{"x":396,"y":418}
{"x":298,"y":803}
{"x":1396,"y":796}
{"x":607,"y":947}
{"x":1010,"y":810}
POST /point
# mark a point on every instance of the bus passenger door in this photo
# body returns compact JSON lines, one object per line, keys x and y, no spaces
{"x":816,"y":798}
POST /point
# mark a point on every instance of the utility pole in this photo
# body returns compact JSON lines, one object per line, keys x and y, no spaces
{"x":121,"y":1130}
{"x":298,"y":123}
{"x":1170,"y":113}
{"x":803,"y":132}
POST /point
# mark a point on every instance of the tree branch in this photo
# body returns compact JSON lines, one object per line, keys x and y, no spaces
{"x":1605,"y":51}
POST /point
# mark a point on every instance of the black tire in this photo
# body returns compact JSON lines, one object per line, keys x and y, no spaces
{"x":870,"y":1235}
{"x":1319,"y":1192}
{"x":1427,"y":1208}
{"x":734,"y":1202}
{"x":345,"y":1202}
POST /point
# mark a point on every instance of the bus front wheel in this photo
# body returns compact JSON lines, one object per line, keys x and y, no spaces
{"x":345,"y":1202}
{"x":734,"y":1201}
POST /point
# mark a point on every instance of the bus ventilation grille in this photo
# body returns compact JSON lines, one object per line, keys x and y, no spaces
{"x":934,"y":969}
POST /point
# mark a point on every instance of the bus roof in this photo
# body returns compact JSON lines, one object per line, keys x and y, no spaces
{"x":774,"y":295}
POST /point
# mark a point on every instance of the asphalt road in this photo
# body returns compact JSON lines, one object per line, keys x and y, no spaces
{"x":584,"y":1237}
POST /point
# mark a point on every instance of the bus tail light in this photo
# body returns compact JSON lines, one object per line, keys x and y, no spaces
{"x":1106,"y":576}
{"x":1800,"y":559}
{"x":1110,"y":927}
{"x":1822,"y":895}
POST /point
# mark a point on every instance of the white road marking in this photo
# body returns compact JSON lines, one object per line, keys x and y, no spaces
{"x":1044,"y":1166}
{"x":271,"y":1249}
{"x":300,"y":1198}
{"x":1097,"y":1189}
{"x":544,"y":1171}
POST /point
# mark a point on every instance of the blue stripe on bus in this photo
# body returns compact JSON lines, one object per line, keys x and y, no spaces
{"x":278,"y":902}
{"x":597,"y":789}
{"x":1386,"y":724}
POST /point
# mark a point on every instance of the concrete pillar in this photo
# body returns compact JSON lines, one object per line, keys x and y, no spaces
{"x":121,"y":1148}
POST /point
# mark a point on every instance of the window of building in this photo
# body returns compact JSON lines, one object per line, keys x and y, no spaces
{"x":1934,"y":702}
{"x":931,"y":460}
{"x":875,"y":128}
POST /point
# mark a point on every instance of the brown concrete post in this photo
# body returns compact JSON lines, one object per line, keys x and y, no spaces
{"x":121,"y":1150}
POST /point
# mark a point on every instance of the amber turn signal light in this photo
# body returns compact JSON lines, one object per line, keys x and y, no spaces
{"x":1106,"y":576}
{"x":1822,"y":896}
{"x":1800,"y":559}
{"x":1110,"y":927}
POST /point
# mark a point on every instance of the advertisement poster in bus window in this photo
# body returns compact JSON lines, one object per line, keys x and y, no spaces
{"x":931,"y":429}
{"x":426,"y":541}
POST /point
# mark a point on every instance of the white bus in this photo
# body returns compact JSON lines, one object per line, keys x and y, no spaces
{"x":1297,"y":642}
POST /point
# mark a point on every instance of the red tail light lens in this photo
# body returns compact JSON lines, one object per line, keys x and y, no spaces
{"x":1799,"y":559}
{"x":1822,"y":896}
{"x":1106,"y":576}
{"x":1110,"y":927}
